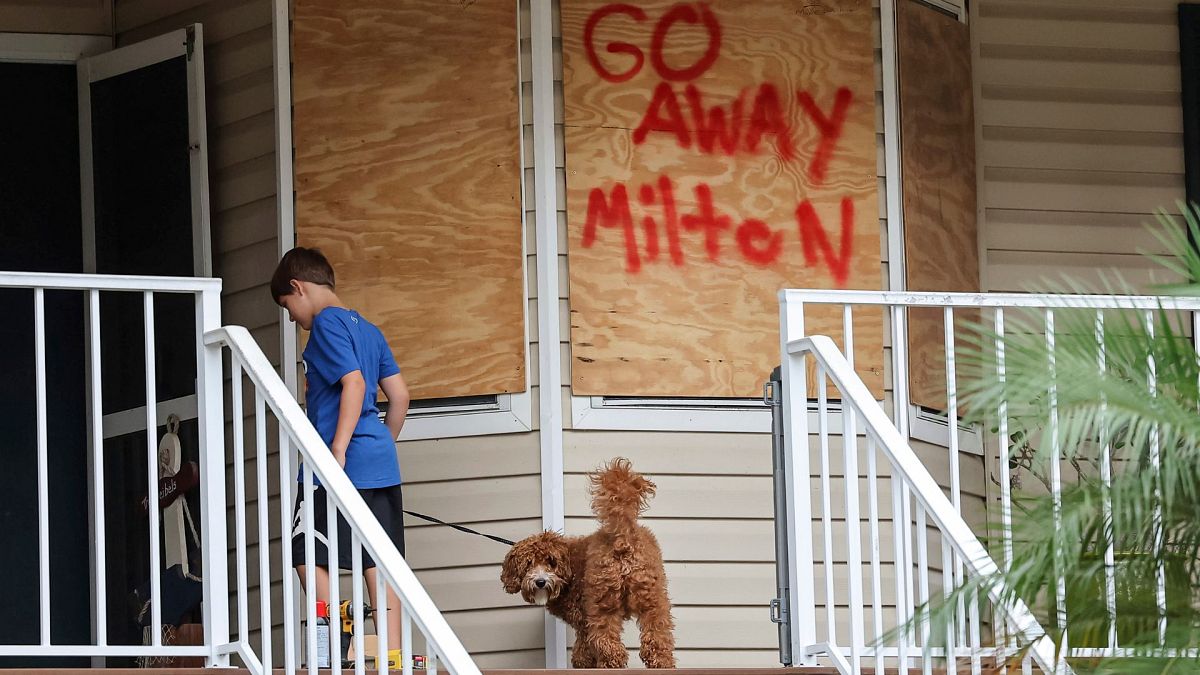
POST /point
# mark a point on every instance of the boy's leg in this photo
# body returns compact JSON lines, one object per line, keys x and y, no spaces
{"x":321,"y":576}
{"x":393,"y":609}
{"x":387,"y":504}
{"x":299,"y":553}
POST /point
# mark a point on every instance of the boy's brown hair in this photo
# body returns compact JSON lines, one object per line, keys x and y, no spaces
{"x":301,"y":264}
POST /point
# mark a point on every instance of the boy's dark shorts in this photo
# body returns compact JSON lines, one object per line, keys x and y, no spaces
{"x":387,"y":503}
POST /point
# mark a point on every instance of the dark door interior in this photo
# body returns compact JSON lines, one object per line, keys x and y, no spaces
{"x":40,"y":232}
{"x":143,"y":216}
{"x":143,"y":225}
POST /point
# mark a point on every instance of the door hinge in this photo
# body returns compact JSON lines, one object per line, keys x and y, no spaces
{"x":769,"y":393}
{"x":778,"y":611}
{"x":191,"y":41}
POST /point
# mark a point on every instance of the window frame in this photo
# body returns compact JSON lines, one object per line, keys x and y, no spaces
{"x":510,"y":413}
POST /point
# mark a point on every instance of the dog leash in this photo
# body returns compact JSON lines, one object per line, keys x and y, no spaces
{"x":460,"y":528}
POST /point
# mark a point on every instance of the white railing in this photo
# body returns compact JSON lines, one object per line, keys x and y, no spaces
{"x":854,"y":620}
{"x":297,"y":434}
{"x":206,"y":293}
{"x":225,"y":609}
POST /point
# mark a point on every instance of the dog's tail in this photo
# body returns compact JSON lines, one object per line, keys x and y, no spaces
{"x":619,"y":494}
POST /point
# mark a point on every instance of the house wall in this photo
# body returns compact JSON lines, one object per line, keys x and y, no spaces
{"x":239,"y":95}
{"x":1080,"y":139}
{"x":1080,"y":136}
{"x":713,"y":516}
{"x":713,"y":513}
{"x":709,"y":484}
{"x":85,"y":17}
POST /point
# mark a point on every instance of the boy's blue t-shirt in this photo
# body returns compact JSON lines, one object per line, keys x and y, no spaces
{"x":341,"y":342}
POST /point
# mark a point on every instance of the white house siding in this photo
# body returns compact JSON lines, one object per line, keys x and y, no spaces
{"x":493,"y":484}
{"x":84,"y":17}
{"x":1081,"y":131}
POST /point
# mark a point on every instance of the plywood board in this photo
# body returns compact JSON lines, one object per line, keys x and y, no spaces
{"x":938,"y":155}
{"x":408,"y":178}
{"x":715,"y":154}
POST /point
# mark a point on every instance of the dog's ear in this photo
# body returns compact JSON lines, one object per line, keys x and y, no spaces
{"x":646,"y":486}
{"x":510,"y":574}
{"x":562,"y":559}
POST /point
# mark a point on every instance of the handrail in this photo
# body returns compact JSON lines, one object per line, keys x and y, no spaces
{"x":205,"y":293}
{"x":987,"y":300}
{"x":317,"y":456}
{"x":910,"y":468}
{"x":109,"y":282}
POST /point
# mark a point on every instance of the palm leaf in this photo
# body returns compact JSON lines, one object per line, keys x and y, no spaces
{"x":1142,"y":409}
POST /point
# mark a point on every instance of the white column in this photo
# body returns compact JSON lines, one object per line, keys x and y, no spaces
{"x":550,"y":421}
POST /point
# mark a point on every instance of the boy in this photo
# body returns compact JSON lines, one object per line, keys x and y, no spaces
{"x":346,"y":357}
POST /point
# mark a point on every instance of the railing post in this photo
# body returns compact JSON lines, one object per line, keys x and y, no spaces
{"x":214,"y":540}
{"x":802,"y":606}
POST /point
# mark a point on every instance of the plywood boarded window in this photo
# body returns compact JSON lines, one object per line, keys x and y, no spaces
{"x":408,"y":177}
{"x":938,"y":154}
{"x":716,"y":153}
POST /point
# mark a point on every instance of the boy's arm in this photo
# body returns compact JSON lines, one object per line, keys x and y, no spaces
{"x":396,"y":391}
{"x":354,"y":389}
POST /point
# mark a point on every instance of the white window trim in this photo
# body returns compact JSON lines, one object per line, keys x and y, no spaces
{"x":512,"y":413}
{"x":133,"y":420}
{"x":737,"y":416}
{"x":933,"y":428}
{"x":601,"y":413}
{"x":955,"y":8}
{"x":51,"y":48}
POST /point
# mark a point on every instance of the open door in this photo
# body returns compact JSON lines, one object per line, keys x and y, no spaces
{"x":145,"y":210}
{"x":144,"y":158}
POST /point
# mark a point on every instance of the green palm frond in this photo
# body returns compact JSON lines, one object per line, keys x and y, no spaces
{"x":1142,"y":410}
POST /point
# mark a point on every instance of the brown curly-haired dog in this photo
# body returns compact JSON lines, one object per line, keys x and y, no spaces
{"x":595,"y":583}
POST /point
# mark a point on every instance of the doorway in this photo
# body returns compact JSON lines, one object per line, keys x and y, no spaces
{"x":103,"y":169}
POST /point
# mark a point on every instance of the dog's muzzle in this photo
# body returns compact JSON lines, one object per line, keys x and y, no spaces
{"x":541,"y":586}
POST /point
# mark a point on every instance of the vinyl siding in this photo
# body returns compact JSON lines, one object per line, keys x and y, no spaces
{"x":85,"y":17}
{"x":1081,"y":131}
